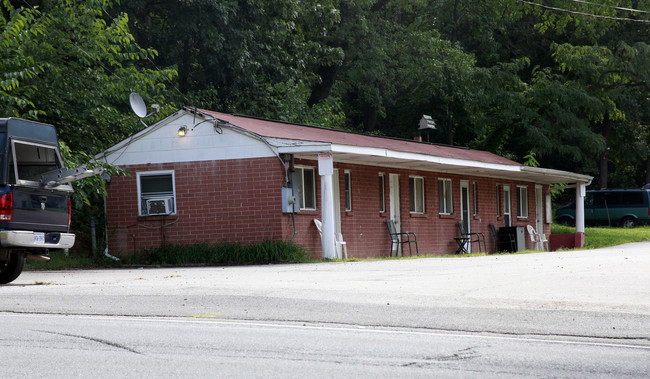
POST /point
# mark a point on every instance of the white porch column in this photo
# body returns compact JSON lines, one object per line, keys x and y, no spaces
{"x":326,"y":170}
{"x":579,"y":240}
{"x":580,"y":208}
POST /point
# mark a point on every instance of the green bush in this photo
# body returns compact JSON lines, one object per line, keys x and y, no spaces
{"x":222,"y":254}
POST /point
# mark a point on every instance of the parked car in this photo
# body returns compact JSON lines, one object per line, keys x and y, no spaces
{"x":34,"y":195}
{"x":623,"y":207}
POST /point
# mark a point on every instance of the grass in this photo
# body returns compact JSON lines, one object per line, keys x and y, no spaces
{"x":183,"y":255}
{"x":61,"y":261}
{"x":607,"y":236}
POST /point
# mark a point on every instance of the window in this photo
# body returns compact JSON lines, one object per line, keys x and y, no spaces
{"x":29,"y":161}
{"x":522,"y":201}
{"x":444,"y":196}
{"x":382,"y":193}
{"x":307,"y":187}
{"x":348,"y":191}
{"x":416,"y":194}
{"x":475,"y":197}
{"x":156,"y":191}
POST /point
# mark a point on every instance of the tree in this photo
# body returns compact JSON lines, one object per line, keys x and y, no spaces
{"x":64,"y":64}
{"x":69,"y":64}
{"x":237,"y":56}
{"x":619,"y":78}
{"x":396,"y":67}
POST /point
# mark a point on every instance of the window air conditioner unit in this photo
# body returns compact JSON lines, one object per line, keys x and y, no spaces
{"x":159,"y":206}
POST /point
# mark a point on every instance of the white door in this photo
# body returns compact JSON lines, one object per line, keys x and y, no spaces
{"x":393,"y":180}
{"x":506,"y":205}
{"x":539,"y":209}
{"x":464,"y":210}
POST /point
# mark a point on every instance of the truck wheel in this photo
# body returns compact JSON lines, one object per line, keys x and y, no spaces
{"x":628,"y":222}
{"x":9,"y":270}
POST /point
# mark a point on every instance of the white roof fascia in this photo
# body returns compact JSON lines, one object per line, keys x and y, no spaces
{"x":297,"y":146}
{"x":313,"y":147}
{"x":425,"y":158}
{"x":566,"y":176}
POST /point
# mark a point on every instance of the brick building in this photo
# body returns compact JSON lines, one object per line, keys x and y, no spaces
{"x":203,"y":176}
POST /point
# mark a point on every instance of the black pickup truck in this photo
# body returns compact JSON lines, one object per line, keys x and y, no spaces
{"x":34,"y":195}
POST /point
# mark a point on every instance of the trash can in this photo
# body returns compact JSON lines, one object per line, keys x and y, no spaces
{"x":519,"y":235}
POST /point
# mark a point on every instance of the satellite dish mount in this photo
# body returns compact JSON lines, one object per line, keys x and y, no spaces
{"x":140,"y":108}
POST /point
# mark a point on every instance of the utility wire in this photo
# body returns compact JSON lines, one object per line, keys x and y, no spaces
{"x":610,"y":6}
{"x":582,"y":13}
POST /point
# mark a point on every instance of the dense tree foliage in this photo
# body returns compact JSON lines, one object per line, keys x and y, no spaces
{"x":564,"y":81}
{"x":62,"y":63}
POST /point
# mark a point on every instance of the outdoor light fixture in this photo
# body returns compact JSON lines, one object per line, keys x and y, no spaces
{"x":182,"y":130}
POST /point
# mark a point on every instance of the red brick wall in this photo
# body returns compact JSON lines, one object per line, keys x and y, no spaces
{"x":216,"y":201}
{"x":364,"y":228}
{"x":240,"y":201}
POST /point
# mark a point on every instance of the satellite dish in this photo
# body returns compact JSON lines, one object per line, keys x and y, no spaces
{"x":138,"y":105}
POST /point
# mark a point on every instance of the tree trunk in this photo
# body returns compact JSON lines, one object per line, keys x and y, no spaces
{"x":369,"y":118}
{"x":647,"y":164}
{"x":450,"y":124}
{"x":604,"y":156}
{"x":322,"y":89}
{"x":184,"y":69}
{"x":454,"y":30}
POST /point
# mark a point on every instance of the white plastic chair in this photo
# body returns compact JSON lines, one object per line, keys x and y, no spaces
{"x":341,"y":246}
{"x":539,"y":239}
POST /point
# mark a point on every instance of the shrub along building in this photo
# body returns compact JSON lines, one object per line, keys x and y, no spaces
{"x":203,"y":176}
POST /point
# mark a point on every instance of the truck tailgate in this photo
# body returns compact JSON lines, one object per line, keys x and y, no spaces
{"x":40,"y":211}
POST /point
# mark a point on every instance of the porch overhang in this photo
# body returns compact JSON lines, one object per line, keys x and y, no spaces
{"x":383,"y":157}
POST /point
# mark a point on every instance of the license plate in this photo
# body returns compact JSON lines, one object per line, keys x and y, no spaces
{"x":39,"y":237}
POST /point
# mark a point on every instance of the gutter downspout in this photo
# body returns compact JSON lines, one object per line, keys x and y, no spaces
{"x":106,"y":254}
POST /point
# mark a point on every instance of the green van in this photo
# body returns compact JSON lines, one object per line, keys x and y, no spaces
{"x":626,"y":207}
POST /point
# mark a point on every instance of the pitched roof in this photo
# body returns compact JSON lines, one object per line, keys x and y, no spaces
{"x":307,"y":142}
{"x":282,"y":130}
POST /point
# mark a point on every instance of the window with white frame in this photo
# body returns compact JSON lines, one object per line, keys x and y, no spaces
{"x":382,"y":193}
{"x":306,"y":178}
{"x":475,"y":197}
{"x":348,"y":191}
{"x":416,"y":194}
{"x":445,"y":196}
{"x":522,"y":201}
{"x":156,"y":192}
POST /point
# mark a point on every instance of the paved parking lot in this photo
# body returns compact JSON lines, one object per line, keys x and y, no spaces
{"x":605,"y":292}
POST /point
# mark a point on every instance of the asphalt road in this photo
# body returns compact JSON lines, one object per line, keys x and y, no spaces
{"x":584,"y":313}
{"x":112,"y":347}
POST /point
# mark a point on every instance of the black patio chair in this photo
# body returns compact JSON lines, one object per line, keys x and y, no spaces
{"x":473,"y":237}
{"x":502,"y":241}
{"x":401,"y":238}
